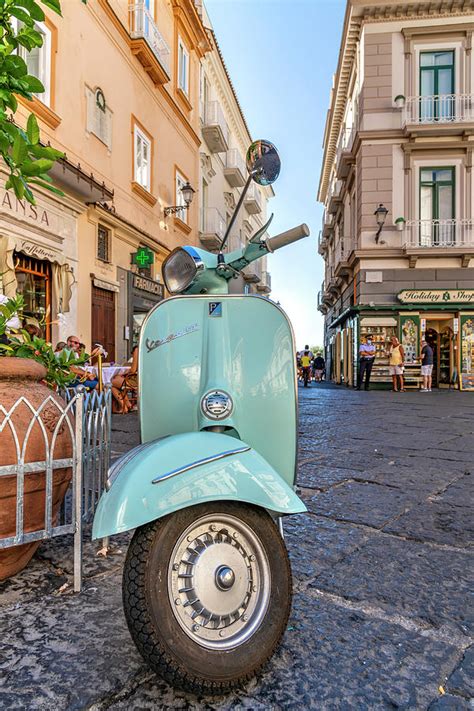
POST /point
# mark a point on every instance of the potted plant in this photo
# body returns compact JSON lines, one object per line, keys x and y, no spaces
{"x":399,"y":101}
{"x":29,"y":369}
{"x":400,"y":223}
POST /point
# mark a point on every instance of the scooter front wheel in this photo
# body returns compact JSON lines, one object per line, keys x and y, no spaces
{"x":207,"y":595}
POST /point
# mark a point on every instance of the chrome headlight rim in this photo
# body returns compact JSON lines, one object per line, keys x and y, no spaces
{"x":217,"y":417}
{"x":198,"y":263}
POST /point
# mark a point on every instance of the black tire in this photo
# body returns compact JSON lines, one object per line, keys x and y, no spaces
{"x":153,"y":624}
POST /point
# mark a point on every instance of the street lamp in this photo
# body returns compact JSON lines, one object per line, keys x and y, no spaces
{"x":380,"y":215}
{"x":187,"y":191}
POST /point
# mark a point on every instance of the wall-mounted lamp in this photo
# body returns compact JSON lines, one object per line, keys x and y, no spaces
{"x":380,"y":215}
{"x":188,"y":193}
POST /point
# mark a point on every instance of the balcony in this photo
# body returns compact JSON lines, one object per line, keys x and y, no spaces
{"x":148,"y":44}
{"x":345,"y":156}
{"x":328,"y":226}
{"x":215,"y":130}
{"x":335,"y":197}
{"x":322,"y":244}
{"x":265,"y":285}
{"x":212,"y":229}
{"x":253,"y":200}
{"x":435,"y":235}
{"x":446,"y":113}
{"x":252,"y":274}
{"x":234,"y":170}
{"x":342,"y":253}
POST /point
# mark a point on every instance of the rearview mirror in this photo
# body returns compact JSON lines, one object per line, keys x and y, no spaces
{"x":263,"y":162}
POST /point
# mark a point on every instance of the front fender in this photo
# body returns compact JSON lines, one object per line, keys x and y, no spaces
{"x":175,"y":472}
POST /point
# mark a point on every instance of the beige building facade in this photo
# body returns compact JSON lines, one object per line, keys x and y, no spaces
{"x":399,"y":138}
{"x":122,"y":102}
{"x":225,"y":138}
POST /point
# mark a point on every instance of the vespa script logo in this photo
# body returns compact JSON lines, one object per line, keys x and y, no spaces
{"x":151,"y":345}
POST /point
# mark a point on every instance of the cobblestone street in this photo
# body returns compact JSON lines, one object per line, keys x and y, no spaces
{"x":382,"y":570}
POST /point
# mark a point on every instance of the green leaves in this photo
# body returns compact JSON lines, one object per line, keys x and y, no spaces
{"x":32,"y":130}
{"x":27,"y":160}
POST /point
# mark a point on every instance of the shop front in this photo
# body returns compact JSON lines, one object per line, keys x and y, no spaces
{"x":144,"y":294}
{"x":38,"y":260}
{"x":445,"y":318}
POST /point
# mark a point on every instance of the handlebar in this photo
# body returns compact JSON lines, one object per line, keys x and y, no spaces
{"x":287,"y":237}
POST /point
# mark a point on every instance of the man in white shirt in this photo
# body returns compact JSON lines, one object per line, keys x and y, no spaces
{"x":366,"y":361}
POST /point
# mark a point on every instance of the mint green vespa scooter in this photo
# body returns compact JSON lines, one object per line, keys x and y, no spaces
{"x":207,"y":581}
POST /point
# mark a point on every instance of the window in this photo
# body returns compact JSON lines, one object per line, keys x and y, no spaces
{"x":437,"y":210}
{"x":183,"y":67}
{"x":142,"y":159}
{"x":38,"y":60}
{"x":437,"y":86}
{"x":99,"y":116}
{"x":180,"y":182}
{"x":103,"y":244}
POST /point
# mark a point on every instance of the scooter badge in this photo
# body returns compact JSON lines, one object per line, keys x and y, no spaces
{"x":215,"y":308}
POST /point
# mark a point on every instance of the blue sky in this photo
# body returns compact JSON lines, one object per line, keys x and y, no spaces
{"x":281,"y":55}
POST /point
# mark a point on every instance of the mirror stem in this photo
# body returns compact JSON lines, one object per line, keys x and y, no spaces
{"x":236,"y":211}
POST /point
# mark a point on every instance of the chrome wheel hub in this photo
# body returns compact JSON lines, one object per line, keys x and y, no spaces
{"x":219,"y":581}
{"x":225,"y":577}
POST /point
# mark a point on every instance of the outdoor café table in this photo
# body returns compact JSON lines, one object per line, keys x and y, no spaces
{"x":109,"y":372}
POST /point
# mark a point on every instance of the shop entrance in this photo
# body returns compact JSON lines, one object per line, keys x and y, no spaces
{"x":34,"y":284}
{"x":440,"y":336}
{"x":103,"y":320}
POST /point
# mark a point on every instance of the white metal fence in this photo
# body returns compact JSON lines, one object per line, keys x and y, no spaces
{"x":439,"y":233}
{"x":84,"y":419}
{"x":439,"y":108}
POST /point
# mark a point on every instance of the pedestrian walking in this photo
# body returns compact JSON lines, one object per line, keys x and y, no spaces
{"x":396,"y":356}
{"x":306,"y":367}
{"x":427,"y":361}
{"x":318,"y":367}
{"x":366,"y":361}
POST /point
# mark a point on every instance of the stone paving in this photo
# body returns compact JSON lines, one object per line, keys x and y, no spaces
{"x":382,"y":564}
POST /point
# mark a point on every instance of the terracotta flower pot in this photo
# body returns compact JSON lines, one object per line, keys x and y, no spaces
{"x":22,"y":377}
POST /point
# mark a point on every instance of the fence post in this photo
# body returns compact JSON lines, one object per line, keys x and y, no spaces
{"x":77,"y":503}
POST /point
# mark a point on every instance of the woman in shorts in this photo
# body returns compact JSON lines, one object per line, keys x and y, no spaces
{"x":396,"y":356}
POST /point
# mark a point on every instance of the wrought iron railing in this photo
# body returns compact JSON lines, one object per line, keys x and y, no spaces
{"x":143,"y":26}
{"x":439,"y":233}
{"x":438,"y":108}
{"x":84,"y":419}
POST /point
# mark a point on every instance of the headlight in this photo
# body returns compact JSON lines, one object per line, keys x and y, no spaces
{"x":217,"y":404}
{"x":180,"y":269}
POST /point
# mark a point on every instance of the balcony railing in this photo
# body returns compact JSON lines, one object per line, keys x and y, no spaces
{"x":344,"y":156}
{"x":253,"y":200}
{"x":212,"y":227}
{"x":439,"y":109}
{"x":142,"y":26}
{"x":439,"y":233}
{"x":215,"y":129}
{"x":343,"y":250}
{"x":335,"y":196}
{"x":235,"y":171}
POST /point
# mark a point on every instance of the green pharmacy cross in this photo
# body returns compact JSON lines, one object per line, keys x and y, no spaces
{"x":144,"y":257}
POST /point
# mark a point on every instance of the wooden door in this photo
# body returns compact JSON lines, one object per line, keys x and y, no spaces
{"x":103,"y":320}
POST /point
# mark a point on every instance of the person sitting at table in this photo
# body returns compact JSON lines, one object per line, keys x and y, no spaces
{"x":84,"y":377}
{"x":123,"y":382}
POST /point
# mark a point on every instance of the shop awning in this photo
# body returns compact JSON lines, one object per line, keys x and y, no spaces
{"x":62,"y":273}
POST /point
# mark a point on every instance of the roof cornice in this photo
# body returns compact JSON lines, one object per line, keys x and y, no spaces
{"x":357,"y":14}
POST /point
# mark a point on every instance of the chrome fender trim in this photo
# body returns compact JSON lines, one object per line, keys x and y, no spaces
{"x":198,"y":462}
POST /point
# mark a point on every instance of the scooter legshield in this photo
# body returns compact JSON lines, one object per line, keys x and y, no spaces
{"x":165,"y":475}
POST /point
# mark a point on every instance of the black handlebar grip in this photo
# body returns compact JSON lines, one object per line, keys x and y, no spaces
{"x":287,"y":237}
